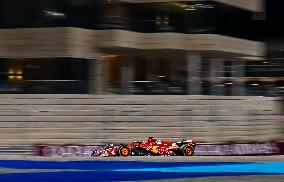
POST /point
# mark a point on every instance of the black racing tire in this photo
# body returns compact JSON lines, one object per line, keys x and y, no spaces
{"x":187,"y":150}
{"x":123,"y":151}
{"x":93,"y":153}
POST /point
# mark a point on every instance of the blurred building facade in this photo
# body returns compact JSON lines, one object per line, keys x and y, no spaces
{"x":135,"y":47}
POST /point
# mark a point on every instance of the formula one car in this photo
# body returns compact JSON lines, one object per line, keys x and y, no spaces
{"x":151,"y":146}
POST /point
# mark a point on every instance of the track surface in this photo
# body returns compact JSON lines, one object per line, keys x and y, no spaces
{"x":211,"y":169}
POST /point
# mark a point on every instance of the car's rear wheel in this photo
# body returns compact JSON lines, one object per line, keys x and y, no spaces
{"x":123,"y":151}
{"x":187,"y":150}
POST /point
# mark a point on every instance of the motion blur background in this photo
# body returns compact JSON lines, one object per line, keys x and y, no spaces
{"x":98,"y":71}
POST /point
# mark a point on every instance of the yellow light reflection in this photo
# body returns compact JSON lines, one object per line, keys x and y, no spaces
{"x":110,"y":56}
{"x":11,"y":77}
{"x":19,"y":77}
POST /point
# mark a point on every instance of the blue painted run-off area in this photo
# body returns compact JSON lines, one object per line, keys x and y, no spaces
{"x":74,"y":171}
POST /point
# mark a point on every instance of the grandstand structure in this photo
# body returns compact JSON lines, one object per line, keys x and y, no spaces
{"x":134,"y":47}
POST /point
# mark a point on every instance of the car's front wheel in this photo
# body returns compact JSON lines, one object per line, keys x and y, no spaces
{"x":94,"y":153}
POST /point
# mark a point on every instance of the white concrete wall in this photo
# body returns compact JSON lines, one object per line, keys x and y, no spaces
{"x":95,"y":119}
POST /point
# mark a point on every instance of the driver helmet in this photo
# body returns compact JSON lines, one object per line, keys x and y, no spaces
{"x":159,"y":142}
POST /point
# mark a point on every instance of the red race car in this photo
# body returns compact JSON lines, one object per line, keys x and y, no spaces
{"x":151,"y":146}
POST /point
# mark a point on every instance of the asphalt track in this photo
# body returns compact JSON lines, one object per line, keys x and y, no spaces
{"x":197,"y":168}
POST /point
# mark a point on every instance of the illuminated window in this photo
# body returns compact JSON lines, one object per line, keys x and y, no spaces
{"x":15,"y":75}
